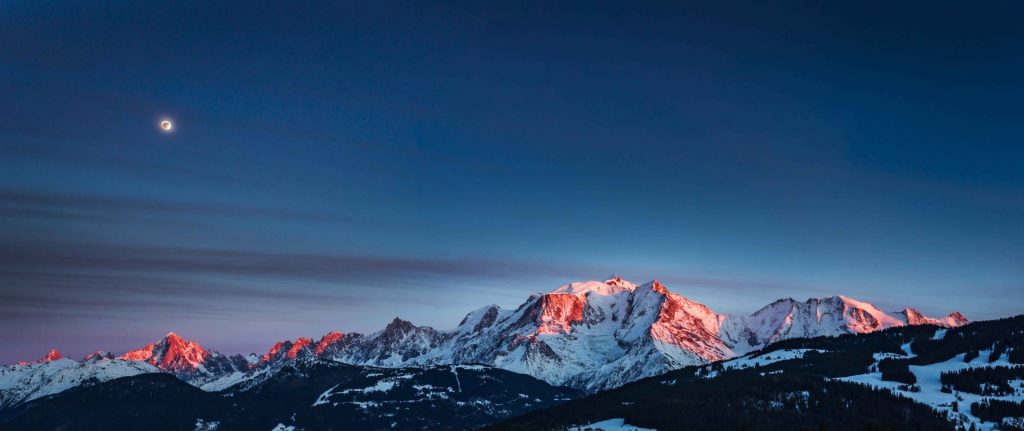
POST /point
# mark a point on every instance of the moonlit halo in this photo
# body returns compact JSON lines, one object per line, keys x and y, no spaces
{"x":166,"y":125}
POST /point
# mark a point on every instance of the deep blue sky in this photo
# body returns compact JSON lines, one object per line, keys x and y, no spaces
{"x":338,"y":164}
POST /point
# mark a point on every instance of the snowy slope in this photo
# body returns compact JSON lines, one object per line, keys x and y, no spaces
{"x":617,"y":424}
{"x":831,"y":316}
{"x":911,"y":316}
{"x":754,"y":360}
{"x":25,"y":382}
{"x":930,"y":387}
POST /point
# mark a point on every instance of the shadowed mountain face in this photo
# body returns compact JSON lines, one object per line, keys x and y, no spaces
{"x":307,"y":394}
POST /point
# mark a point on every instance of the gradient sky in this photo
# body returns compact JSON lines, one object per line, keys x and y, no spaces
{"x":337,"y":164}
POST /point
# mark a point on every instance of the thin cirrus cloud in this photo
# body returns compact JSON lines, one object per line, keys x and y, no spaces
{"x":57,"y":275}
{"x":22,"y":203}
{"x":45,"y":285}
{"x":308,"y":266}
{"x":57,"y":257}
{"x":71,"y":269}
{"x":82,"y":291}
{"x":188,"y":271}
{"x":40,"y":281}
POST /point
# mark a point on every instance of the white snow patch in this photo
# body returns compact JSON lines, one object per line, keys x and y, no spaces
{"x":617,"y":424}
{"x":455,"y":371}
{"x":324,"y":398}
{"x":383,"y":385}
{"x":907,"y":351}
{"x":364,"y":404}
{"x":763,"y":359}
{"x":202,"y":425}
{"x":230,"y":380}
{"x":21,"y":383}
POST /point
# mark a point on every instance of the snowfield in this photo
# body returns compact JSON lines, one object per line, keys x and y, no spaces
{"x":610,"y":425}
{"x":767,"y":358}
{"x":761,"y":360}
{"x":26,"y":382}
{"x":931,"y":387}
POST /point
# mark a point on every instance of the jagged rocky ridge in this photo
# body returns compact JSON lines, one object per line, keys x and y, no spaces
{"x":187,"y":359}
{"x":590,"y":335}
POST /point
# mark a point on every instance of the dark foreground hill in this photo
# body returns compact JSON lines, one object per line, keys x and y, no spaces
{"x":307,"y":394}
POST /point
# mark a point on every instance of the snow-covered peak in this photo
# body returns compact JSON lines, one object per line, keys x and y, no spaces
{"x":656,"y":287}
{"x":612,"y":286}
{"x":829,"y":316}
{"x":25,"y":382}
{"x":171,"y":354}
{"x":479,"y":319}
{"x":860,"y":317}
{"x":784,"y":304}
{"x":98,"y":355}
{"x":328,"y":345}
{"x":398,"y":326}
{"x":914,"y":317}
{"x":955,"y":319}
{"x":867,"y":314}
{"x":298,"y":346}
{"x":685,"y":331}
{"x":911,"y":316}
{"x":277,"y":351}
{"x":556,"y":312}
{"x":52,"y":355}
{"x":327,"y":341}
{"x":615,"y":280}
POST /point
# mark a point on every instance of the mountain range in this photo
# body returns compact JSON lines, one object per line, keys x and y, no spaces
{"x":591,"y":336}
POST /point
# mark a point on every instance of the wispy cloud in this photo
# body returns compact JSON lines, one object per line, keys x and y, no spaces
{"x":70,"y":271}
{"x":23,"y":203}
{"x":50,"y":287}
{"x":233,"y":262}
{"x":129,"y":166}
